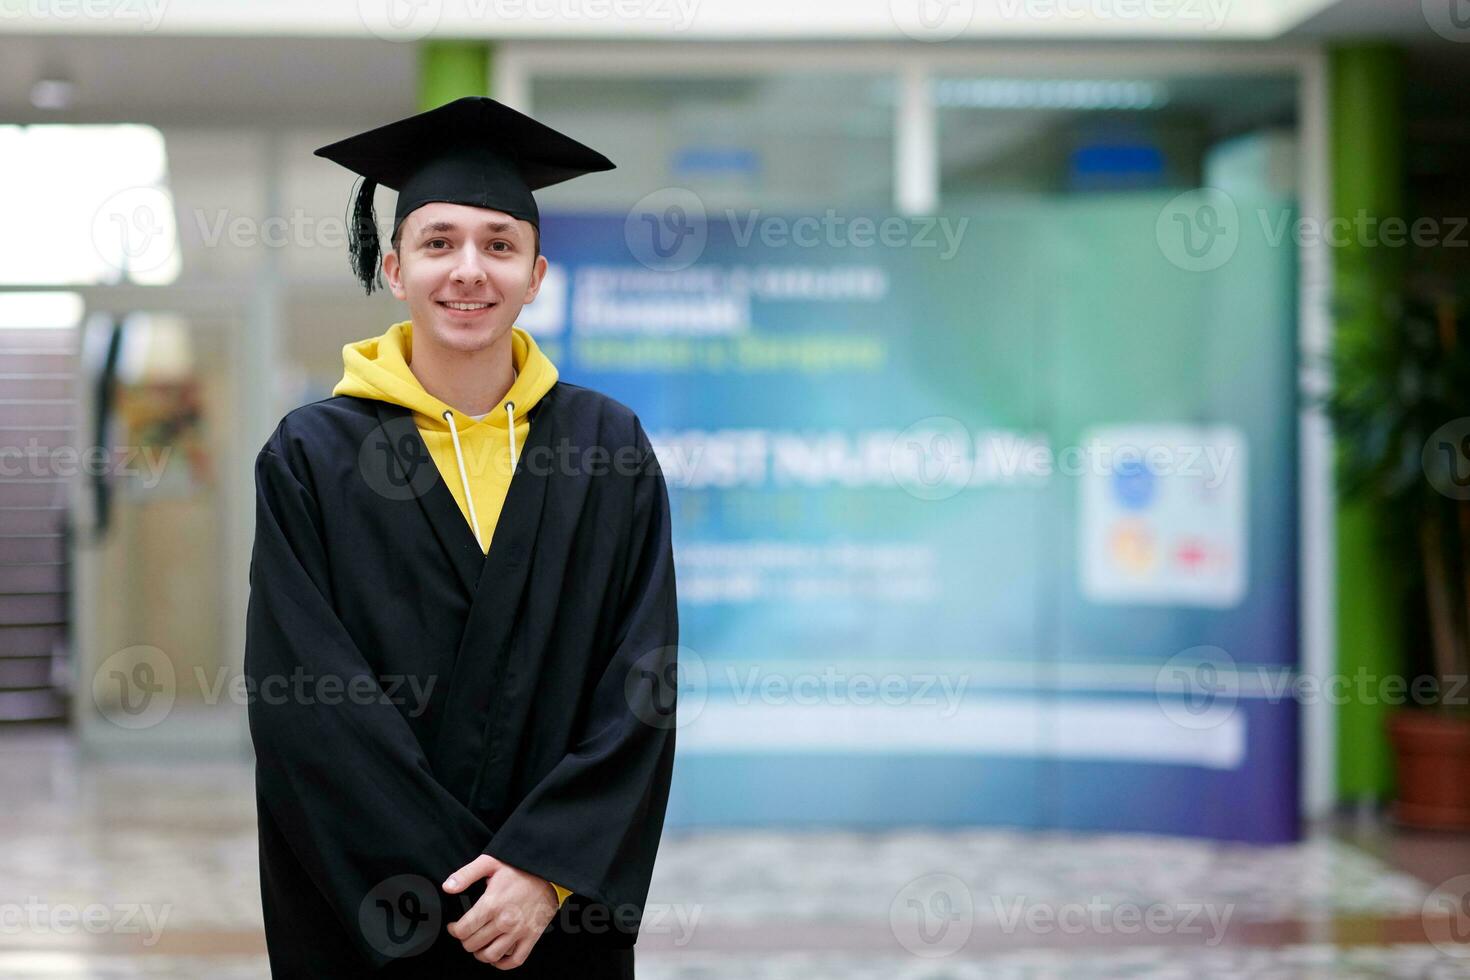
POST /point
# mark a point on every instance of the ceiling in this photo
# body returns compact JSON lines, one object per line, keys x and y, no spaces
{"x":207,"y":81}
{"x":925,"y":20}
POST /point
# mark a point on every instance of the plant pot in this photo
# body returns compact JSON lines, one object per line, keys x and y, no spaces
{"x":1432,"y":752}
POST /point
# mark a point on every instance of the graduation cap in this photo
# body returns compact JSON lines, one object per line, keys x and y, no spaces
{"x":473,"y":151}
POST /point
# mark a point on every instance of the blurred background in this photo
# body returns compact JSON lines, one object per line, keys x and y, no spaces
{"x":1064,"y":414}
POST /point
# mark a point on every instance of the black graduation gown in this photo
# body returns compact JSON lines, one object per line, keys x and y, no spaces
{"x":414,"y":702}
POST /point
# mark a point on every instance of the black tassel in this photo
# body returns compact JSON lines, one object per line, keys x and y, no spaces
{"x":364,"y":250}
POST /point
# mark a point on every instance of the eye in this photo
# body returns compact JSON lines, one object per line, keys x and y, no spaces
{"x":430,"y":243}
{"x":501,"y":241}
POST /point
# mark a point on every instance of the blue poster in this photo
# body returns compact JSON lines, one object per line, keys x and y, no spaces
{"x":986,"y":519}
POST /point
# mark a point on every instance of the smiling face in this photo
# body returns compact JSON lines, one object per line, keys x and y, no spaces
{"x":465,"y":273}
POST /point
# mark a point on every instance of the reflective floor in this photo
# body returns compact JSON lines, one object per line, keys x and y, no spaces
{"x":117,"y":870}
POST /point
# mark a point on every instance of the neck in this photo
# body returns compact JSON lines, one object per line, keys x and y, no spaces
{"x":473,"y":382}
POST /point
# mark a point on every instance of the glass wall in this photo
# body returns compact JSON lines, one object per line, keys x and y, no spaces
{"x":1005,"y":135}
{"x":774,"y":140}
{"x":995,"y":504}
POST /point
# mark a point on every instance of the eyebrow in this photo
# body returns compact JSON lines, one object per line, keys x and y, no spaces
{"x":447,"y":226}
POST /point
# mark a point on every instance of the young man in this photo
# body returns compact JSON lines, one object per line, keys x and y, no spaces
{"x":462,"y":625}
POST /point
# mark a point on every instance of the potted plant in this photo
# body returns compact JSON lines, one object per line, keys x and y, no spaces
{"x":1400,"y":406}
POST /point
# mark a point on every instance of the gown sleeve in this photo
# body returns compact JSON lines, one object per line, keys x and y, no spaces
{"x":341,"y":774}
{"x":595,"y":820}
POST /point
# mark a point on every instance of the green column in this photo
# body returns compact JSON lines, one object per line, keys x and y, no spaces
{"x":1366,"y":154}
{"x":449,"y":70}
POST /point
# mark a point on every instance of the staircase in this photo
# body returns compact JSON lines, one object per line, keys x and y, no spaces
{"x":37,"y":417}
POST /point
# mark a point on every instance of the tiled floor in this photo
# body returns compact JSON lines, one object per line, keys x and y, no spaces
{"x":113,"y":870}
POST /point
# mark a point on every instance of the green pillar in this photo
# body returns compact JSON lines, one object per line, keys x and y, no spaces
{"x":1367,"y":170}
{"x":451,"y":69}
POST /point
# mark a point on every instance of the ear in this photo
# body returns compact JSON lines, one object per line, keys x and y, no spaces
{"x":393,"y":272}
{"x":538,"y":273}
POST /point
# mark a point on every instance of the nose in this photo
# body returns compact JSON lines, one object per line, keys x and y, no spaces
{"x":468,"y":269}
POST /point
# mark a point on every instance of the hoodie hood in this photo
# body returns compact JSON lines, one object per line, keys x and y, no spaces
{"x":477,"y":458}
{"x":378,"y":368}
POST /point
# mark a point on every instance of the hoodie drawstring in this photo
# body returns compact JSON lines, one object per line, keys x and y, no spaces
{"x":510,"y":424}
{"x":463,"y":479}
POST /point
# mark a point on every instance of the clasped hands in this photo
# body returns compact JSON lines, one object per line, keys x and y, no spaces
{"x":502,"y":927}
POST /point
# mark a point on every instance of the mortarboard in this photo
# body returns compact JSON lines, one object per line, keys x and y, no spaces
{"x":473,"y":151}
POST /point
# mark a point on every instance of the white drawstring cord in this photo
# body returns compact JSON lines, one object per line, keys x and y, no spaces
{"x":510,"y":423}
{"x":463,"y":479}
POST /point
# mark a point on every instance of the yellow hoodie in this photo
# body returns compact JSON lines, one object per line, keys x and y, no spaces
{"x":378,"y":368}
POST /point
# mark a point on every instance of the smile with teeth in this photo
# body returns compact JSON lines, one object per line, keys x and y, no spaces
{"x":466,"y":306}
